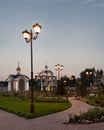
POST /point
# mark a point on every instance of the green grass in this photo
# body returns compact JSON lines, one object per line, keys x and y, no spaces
{"x":22,"y":107}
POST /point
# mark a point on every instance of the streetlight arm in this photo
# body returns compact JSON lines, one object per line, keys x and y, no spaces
{"x":35,"y":37}
{"x":28,"y":36}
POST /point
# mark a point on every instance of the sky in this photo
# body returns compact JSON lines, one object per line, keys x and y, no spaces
{"x":72,"y":35}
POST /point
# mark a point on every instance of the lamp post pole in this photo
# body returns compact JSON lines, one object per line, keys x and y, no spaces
{"x":32,"y":89}
{"x":28,"y":36}
{"x":58,"y":73}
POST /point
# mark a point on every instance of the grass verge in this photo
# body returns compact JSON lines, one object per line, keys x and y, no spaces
{"x":22,"y":107}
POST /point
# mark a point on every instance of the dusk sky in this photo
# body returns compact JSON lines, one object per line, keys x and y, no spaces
{"x":72,"y":35}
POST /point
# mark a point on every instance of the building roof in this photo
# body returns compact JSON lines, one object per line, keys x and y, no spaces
{"x":17,"y":76}
{"x":18,"y":73}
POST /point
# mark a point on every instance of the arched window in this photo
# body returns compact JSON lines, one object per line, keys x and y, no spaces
{"x":21,"y":85}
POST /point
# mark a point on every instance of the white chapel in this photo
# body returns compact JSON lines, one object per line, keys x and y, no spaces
{"x":18,"y":82}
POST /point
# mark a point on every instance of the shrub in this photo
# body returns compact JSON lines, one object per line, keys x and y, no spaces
{"x":92,"y":116}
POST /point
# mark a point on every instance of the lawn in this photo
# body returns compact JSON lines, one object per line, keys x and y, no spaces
{"x":22,"y":107}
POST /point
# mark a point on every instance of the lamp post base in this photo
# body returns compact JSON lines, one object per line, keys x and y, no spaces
{"x":32,"y":108}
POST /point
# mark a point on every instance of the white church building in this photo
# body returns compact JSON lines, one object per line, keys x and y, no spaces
{"x":18,"y":82}
{"x":46,"y":80}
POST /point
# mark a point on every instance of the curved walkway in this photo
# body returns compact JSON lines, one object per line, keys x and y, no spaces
{"x":10,"y":121}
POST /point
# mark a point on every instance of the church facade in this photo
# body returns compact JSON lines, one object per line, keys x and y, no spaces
{"x":18,"y":82}
{"x":46,"y":80}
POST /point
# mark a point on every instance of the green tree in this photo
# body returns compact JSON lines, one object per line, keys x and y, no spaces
{"x":99,"y":77}
{"x":81,"y":89}
{"x":87,"y":77}
{"x":86,"y":80}
{"x":60,"y":88}
{"x":63,"y":84}
{"x":73,"y":81}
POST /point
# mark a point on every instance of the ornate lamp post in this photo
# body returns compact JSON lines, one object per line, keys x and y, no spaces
{"x":59,"y":68}
{"x":28,"y":36}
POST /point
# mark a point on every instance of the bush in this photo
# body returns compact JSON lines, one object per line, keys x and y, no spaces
{"x":50,"y":99}
{"x":92,"y":116}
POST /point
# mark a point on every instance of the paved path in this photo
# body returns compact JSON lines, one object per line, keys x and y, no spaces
{"x":10,"y":121}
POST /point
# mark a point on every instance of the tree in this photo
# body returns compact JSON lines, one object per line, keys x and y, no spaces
{"x":99,"y":77}
{"x":63,"y":84}
{"x":81,"y":90}
{"x":60,"y":88}
{"x":88,"y":77}
{"x":73,"y":81}
{"x":86,"y":80}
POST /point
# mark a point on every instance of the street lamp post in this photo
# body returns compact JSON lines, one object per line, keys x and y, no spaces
{"x":28,"y":36}
{"x":59,"y":68}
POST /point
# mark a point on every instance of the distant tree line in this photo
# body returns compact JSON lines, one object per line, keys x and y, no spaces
{"x":88,"y":78}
